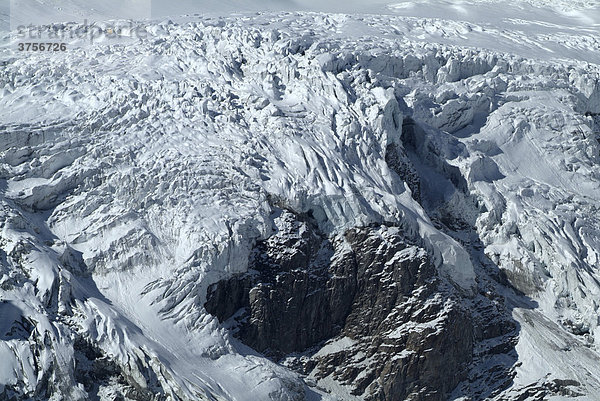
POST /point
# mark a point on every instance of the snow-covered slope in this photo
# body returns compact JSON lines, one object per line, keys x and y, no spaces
{"x":138,"y":172}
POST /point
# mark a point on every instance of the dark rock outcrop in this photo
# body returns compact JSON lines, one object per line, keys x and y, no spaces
{"x":397,"y":159}
{"x":396,"y":330}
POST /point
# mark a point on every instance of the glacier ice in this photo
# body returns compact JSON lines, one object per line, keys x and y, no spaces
{"x":136,"y":174}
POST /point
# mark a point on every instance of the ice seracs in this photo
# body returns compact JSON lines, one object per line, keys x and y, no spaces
{"x":140,"y":176}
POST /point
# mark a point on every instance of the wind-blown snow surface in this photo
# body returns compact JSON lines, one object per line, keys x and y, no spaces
{"x":137,"y":172}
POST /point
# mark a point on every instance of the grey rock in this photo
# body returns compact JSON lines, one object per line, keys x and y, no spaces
{"x":410,"y":337}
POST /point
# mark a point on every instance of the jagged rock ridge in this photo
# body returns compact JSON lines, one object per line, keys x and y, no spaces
{"x":395,"y":329}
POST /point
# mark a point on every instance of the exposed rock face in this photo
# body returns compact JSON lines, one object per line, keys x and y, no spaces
{"x":294,"y":302}
{"x":404,"y":334}
{"x":398,"y":161}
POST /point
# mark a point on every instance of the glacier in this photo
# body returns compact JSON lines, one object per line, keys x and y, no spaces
{"x":447,"y":151}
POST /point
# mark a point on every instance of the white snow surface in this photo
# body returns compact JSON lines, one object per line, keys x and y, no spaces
{"x":150,"y":164}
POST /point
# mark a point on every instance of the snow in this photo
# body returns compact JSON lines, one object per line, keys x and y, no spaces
{"x":336,"y":346}
{"x":154,"y":158}
{"x":547,"y":351}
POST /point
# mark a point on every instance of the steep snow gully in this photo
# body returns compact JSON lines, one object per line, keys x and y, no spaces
{"x":300,"y":206}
